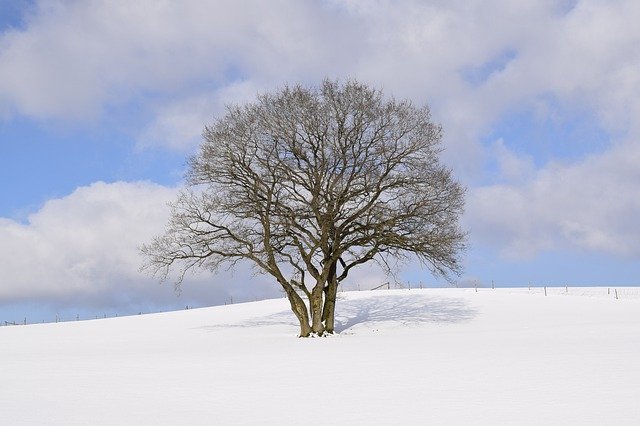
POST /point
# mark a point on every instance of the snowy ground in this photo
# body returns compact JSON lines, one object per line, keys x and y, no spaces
{"x":433,"y":356}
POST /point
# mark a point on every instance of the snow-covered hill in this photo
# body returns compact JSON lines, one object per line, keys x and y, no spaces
{"x":433,"y":356}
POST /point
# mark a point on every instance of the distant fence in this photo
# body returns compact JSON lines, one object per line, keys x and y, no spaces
{"x":382,"y":286}
{"x":599,"y":292}
{"x":616,"y":293}
{"x":596,"y":292}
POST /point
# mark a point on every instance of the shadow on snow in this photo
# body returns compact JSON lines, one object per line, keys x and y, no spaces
{"x":401,"y":309}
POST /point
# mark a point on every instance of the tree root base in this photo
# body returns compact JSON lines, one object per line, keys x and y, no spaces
{"x":314,"y":335}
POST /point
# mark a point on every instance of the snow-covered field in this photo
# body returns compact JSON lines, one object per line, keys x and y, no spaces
{"x":433,"y":356}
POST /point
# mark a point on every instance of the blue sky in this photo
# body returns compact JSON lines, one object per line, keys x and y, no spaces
{"x":101,"y":103}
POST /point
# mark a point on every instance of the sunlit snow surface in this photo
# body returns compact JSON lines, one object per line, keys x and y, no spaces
{"x":433,"y":356}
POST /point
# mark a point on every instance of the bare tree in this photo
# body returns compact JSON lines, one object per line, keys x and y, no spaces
{"x":309,"y":183}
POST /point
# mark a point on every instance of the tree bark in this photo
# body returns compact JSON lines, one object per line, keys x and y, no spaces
{"x":328,"y":313}
{"x":331,"y":291}
{"x":299,"y":308}
{"x":316,"y":309}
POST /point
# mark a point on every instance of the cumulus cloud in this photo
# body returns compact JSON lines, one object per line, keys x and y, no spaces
{"x":76,"y":57}
{"x":82,"y":250}
{"x":591,"y":205}
{"x":583,"y":58}
{"x":73,"y":59}
{"x":178,"y":124}
{"x":82,"y":243}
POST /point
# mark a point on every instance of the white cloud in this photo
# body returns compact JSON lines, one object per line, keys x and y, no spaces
{"x":82,"y":250}
{"x":82,"y":243}
{"x":178,"y":125}
{"x":512,"y":167}
{"x":591,"y":205}
{"x":74,"y":58}
{"x":585,"y":59}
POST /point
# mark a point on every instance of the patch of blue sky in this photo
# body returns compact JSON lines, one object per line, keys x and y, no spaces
{"x":479,"y":74}
{"x":13,"y":13}
{"x":565,"y":7}
{"x":560,"y":134}
{"x":551,"y":268}
{"x":33,"y":312}
{"x":39,"y":162}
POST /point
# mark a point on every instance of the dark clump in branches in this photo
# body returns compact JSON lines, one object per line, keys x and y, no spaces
{"x":309,"y":183}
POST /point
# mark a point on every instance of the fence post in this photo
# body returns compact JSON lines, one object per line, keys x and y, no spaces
{"x":381,"y":286}
{"x":492,"y":286}
{"x":545,"y":290}
{"x":616,"y":290}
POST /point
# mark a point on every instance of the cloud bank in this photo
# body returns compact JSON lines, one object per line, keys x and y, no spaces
{"x":471,"y":62}
{"x":592,"y":205}
{"x":82,"y":249}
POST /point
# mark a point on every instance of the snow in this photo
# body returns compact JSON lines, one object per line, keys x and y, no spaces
{"x":432,"y":356}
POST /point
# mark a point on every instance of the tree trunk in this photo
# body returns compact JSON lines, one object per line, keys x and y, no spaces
{"x":316,"y":309}
{"x":331,"y":291}
{"x":299,"y":308}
